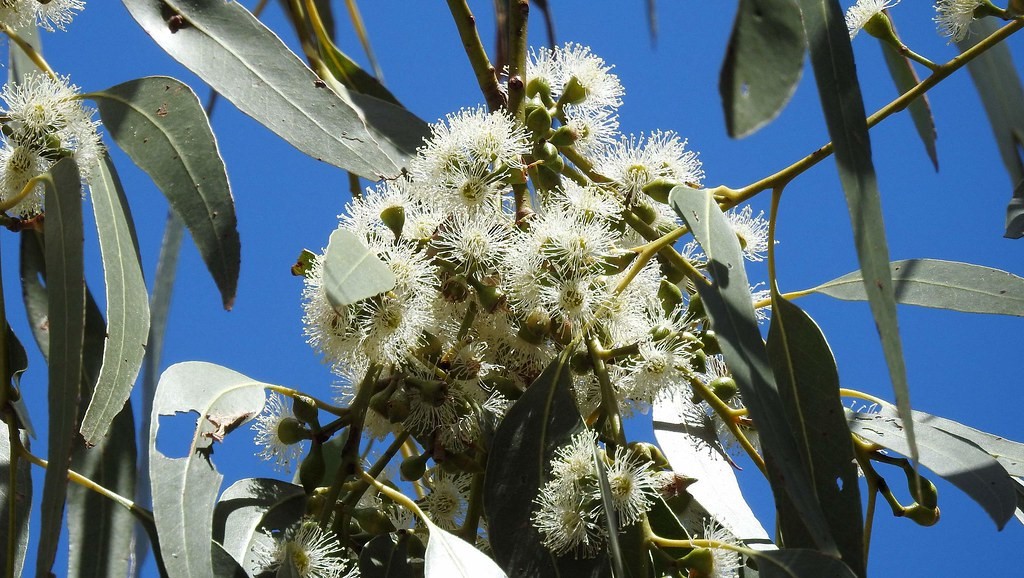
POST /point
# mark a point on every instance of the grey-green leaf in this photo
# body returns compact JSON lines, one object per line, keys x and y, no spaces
{"x":1015,"y":213}
{"x":127,"y":303}
{"x":942,"y":285}
{"x":352,"y":272}
{"x":800,"y":563}
{"x":808,"y":381}
{"x":386,"y":556}
{"x":160,"y":123}
{"x":247,"y":508}
{"x":958,"y":461}
{"x":905,"y":77}
{"x":763,"y":63}
{"x":836,"y":77}
{"x":66,"y":307}
{"x":17,"y":363}
{"x":185,"y":488}
{"x":731,"y":312}
{"x":22,"y":503}
{"x":249,"y":65}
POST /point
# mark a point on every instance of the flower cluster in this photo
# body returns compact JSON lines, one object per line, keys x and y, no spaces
{"x":512,"y":240}
{"x":44,"y":121}
{"x":310,"y":552}
{"x":50,"y":14}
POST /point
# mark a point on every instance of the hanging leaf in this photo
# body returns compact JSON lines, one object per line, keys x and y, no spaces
{"x":763,"y":63}
{"x":22,"y":501}
{"x":942,"y":285}
{"x":800,"y":563}
{"x":538,"y":423}
{"x":449,"y":556}
{"x":808,"y":380}
{"x":247,"y":508}
{"x":17,"y":364}
{"x":1015,"y":213}
{"x":162,"y":126}
{"x":248,"y":64}
{"x":731,"y":312}
{"x":352,"y":272}
{"x":66,"y":318}
{"x":689,"y":441}
{"x":127,"y":304}
{"x":386,"y":556}
{"x":836,"y":77}
{"x":954,"y":459}
{"x":905,"y":78}
{"x":185,"y":489}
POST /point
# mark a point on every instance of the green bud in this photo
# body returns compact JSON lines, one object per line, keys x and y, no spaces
{"x":555,"y":164}
{"x":490,"y":297}
{"x":645,"y":213}
{"x":881,"y":28}
{"x":699,"y":361}
{"x":538,"y":121}
{"x":670,"y":295}
{"x":724,"y":388}
{"x":394,"y":218}
{"x":373,"y":521}
{"x":922,"y":515}
{"x":617,"y":263}
{"x":659,"y":188}
{"x":379,"y":401}
{"x":574,"y":93}
{"x":653,"y":453}
{"x":413,"y":467}
{"x":581,"y":363}
{"x":695,"y":308}
{"x":461,"y":463}
{"x":455,"y":289}
{"x":311,"y":472}
{"x":563,"y":136}
{"x":538,"y":322}
{"x":710,"y":341}
{"x":304,"y":408}
{"x":544,"y":151}
{"x":928,"y":497}
{"x":398,"y":406}
{"x":547,"y":179}
{"x":503,"y":385}
{"x":538,"y":86}
{"x":433,"y":392}
{"x":291,"y":431}
{"x":700,"y":561}
{"x":432,"y":347}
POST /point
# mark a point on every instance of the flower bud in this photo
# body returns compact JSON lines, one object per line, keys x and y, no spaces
{"x":373,"y":521}
{"x":538,"y":86}
{"x":581,"y":363}
{"x":413,"y":467}
{"x":724,"y":388}
{"x":573,"y":93}
{"x":454,"y":288}
{"x":617,"y":262}
{"x":659,"y":188}
{"x":564,"y":136}
{"x":291,"y":431}
{"x":538,"y":322}
{"x":670,"y":296}
{"x":546,"y":179}
{"x":701,"y":563}
{"x":710,"y":341}
{"x":398,"y":406}
{"x":502,"y":385}
{"x":699,"y":361}
{"x":922,"y":515}
{"x":928,"y":497}
{"x":645,"y":213}
{"x":538,"y":120}
{"x":304,"y":263}
{"x":394,"y":218}
{"x":490,"y":297}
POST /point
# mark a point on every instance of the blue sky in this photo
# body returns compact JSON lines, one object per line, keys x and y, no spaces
{"x":960,"y":366}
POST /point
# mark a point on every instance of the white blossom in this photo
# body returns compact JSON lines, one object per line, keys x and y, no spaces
{"x":859,"y":14}
{"x":312,"y":552}
{"x":268,"y":434}
{"x":954,"y":17}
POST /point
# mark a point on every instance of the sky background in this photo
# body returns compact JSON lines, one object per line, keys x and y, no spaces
{"x":960,"y":366}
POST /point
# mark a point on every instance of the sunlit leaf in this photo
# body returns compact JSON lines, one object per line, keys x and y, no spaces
{"x":731,"y":312}
{"x":185,"y":488}
{"x":942,"y":285}
{"x":22,"y":504}
{"x":905,"y":77}
{"x":352,"y":272}
{"x":763,"y":62}
{"x":248,"y":509}
{"x":449,"y":556}
{"x":245,"y":62}
{"x":127,"y":304}
{"x":160,"y":123}
{"x":66,"y":320}
{"x":958,"y":461}
{"x":538,"y":423}
{"x":836,"y":77}
{"x":808,"y":381}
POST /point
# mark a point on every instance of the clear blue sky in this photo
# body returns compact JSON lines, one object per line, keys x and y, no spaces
{"x":960,"y":366}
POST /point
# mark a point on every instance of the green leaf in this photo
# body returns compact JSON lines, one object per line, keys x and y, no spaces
{"x":538,"y":423}
{"x":836,"y":77}
{"x":244,"y":61}
{"x":22,"y":503}
{"x":386,"y":556}
{"x":800,"y":563}
{"x":942,"y":285}
{"x":611,"y":519}
{"x":905,"y":77}
{"x":808,"y":380}
{"x":1008,"y":453}
{"x":449,"y":556}
{"x":731,"y":312}
{"x":160,"y":123}
{"x":66,"y":315}
{"x":1015,"y":213}
{"x":17,"y":363}
{"x":352,"y":272}
{"x":694,"y":451}
{"x":763,"y":62}
{"x":958,"y":461}
{"x":185,"y":489}
{"x":127,"y":304}
{"x":247,"y":508}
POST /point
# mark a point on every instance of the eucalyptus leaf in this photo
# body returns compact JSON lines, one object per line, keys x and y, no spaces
{"x":534,"y":427}
{"x":66,"y":316}
{"x":20,"y":63}
{"x":247,"y":508}
{"x":386,"y":556}
{"x":1015,"y":213}
{"x":836,"y":77}
{"x":958,"y":461}
{"x":689,"y":441}
{"x":22,"y":501}
{"x":352,"y":272}
{"x":942,"y":285}
{"x":248,"y":64}
{"x":127,"y":304}
{"x":185,"y":489}
{"x":905,"y":78}
{"x":160,"y":123}
{"x":805,"y":371}
{"x":17,"y":364}
{"x":449,"y":556}
{"x":731,"y":313}
{"x":800,"y":563}
{"x":763,"y":64}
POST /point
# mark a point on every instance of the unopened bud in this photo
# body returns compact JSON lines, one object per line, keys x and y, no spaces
{"x":538,"y":121}
{"x":394,"y":218}
{"x":304,"y":408}
{"x":670,"y":296}
{"x":291,"y":431}
{"x":659,"y":188}
{"x":573,"y":93}
{"x":724,"y":388}
{"x":413,"y":467}
{"x":922,"y":515}
{"x":311,"y":472}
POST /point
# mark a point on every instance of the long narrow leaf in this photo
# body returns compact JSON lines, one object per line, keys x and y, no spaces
{"x":905,"y":77}
{"x":22,"y":504}
{"x":836,"y":77}
{"x":66,"y":307}
{"x":160,"y":123}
